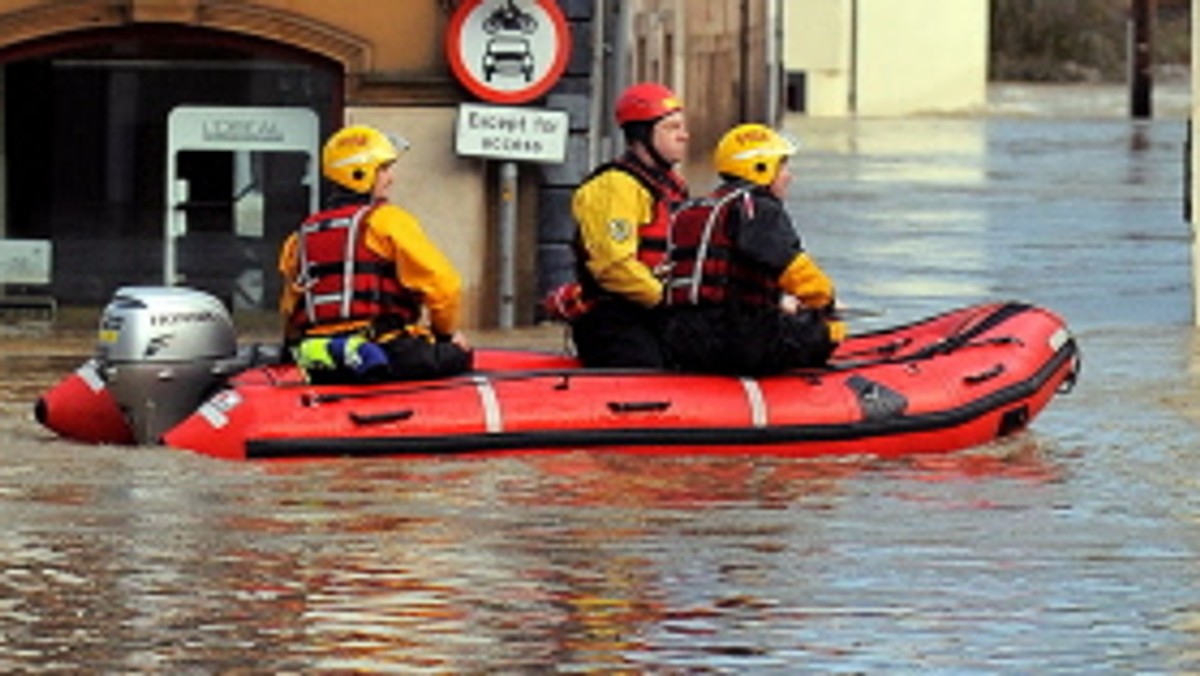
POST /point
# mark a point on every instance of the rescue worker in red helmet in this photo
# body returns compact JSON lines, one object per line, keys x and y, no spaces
{"x":360,"y":276}
{"x":622,"y":209}
{"x":743,"y":296}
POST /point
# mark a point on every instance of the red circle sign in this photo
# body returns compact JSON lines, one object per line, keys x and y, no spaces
{"x":508,"y":51}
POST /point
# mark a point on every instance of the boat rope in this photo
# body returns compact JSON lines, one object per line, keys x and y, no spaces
{"x":961,"y":340}
{"x":564,"y":376}
{"x":469,"y":380}
{"x":891,"y":347}
{"x":958,"y":338}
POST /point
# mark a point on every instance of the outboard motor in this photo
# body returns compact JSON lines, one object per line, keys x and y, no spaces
{"x":162,"y":351}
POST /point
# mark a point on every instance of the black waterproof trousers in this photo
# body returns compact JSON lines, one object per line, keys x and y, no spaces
{"x":744,"y":341}
{"x":416,"y":358}
{"x":617,"y":333}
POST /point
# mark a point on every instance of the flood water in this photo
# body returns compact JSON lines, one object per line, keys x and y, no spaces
{"x":1072,"y":548}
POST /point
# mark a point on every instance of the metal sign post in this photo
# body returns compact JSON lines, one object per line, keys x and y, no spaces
{"x":510,"y":134}
{"x":509,"y":52}
{"x":508,"y":245}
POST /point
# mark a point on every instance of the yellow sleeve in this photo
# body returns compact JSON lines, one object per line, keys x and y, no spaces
{"x":805,"y":280}
{"x":289,"y":266}
{"x":420,"y":266}
{"x":610,"y":208}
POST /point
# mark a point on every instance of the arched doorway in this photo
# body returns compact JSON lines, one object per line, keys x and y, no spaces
{"x":85,"y":126}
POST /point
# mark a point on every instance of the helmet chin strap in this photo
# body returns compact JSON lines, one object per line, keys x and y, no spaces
{"x":643,"y":137}
{"x":650,"y":155}
{"x":660,"y":161}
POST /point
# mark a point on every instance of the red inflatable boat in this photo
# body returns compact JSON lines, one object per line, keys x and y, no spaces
{"x":947,"y":383}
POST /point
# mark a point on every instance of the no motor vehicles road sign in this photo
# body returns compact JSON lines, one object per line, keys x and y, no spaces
{"x":508,"y":51}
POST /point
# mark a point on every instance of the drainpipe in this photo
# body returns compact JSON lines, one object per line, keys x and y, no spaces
{"x":744,"y":59}
{"x":599,"y":132}
{"x":613,"y":76}
{"x":774,"y":60}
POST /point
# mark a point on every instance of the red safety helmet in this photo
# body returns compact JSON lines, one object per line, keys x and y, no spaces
{"x":646,"y":102}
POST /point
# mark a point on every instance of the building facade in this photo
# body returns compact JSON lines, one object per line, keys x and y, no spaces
{"x":175,"y":141}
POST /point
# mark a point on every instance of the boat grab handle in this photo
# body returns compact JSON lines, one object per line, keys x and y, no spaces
{"x":638,"y":406}
{"x":380,"y":418}
{"x":986,"y":374}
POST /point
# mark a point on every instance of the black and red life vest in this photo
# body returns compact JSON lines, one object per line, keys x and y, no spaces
{"x":668,"y":192}
{"x":343,"y":282}
{"x":705,"y":265}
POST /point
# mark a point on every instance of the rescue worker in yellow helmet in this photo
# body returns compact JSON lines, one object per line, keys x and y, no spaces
{"x":360,"y":276}
{"x":743,"y":295}
{"x":622,"y":210}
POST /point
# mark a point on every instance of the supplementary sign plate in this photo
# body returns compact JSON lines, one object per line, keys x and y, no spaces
{"x":511,"y":133}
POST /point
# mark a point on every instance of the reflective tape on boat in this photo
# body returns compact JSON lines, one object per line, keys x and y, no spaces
{"x":216,"y":409}
{"x":758,"y":404}
{"x":89,"y":372}
{"x":1059,"y":338}
{"x":493,"y":421}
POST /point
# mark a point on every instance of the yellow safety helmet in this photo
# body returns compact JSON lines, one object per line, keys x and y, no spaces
{"x":753,"y":152}
{"x":353,"y":155}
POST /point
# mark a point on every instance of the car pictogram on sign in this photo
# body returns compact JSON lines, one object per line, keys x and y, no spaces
{"x":507,"y":55}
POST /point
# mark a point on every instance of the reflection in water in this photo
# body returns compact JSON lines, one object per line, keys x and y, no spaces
{"x":602,"y":561}
{"x":892,"y":210}
{"x":565,"y":558}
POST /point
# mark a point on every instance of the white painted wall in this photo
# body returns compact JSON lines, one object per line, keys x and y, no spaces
{"x":889,"y":57}
{"x":918,"y":56}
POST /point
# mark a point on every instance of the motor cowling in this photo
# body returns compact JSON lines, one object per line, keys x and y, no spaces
{"x":162,"y":351}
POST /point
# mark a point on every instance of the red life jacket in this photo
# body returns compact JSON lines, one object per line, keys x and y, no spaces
{"x":343,"y":281}
{"x":705,"y":265}
{"x":668,"y":192}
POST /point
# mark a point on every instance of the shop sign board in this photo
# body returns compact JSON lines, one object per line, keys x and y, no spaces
{"x":25,"y":261}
